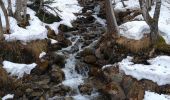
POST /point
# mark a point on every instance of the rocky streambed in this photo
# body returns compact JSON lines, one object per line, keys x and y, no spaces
{"x":72,"y":68}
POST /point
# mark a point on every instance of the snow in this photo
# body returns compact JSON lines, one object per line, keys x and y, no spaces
{"x":158,"y":71}
{"x":130,"y":5}
{"x":18,"y":70}
{"x":8,"y":96}
{"x":154,"y":96}
{"x":134,"y":29}
{"x":137,"y":29}
{"x":100,"y":20}
{"x":42,"y":54}
{"x":53,"y":41}
{"x":67,"y":9}
{"x":36,"y":30}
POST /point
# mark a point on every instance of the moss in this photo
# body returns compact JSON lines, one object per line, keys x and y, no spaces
{"x":161,"y":45}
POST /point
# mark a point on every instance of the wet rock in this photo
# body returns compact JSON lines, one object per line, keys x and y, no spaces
{"x":94,"y":71}
{"x":114,"y":91}
{"x":56,"y":74}
{"x":85,"y":89}
{"x":54,"y":47}
{"x":81,"y":68}
{"x":56,"y":59}
{"x":86,"y":52}
{"x":90,"y":59}
{"x":68,"y":98}
{"x":65,"y":28}
{"x":60,"y":90}
{"x":62,"y":40}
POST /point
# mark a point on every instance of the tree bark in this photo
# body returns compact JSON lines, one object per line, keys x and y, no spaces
{"x":112,"y":27}
{"x":152,"y":22}
{"x":10,"y":12}
{"x":6,"y":16}
{"x":1,"y":29}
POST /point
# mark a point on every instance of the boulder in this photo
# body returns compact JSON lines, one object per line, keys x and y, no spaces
{"x":85,"y":89}
{"x":56,"y":74}
{"x":91,"y":59}
{"x":114,"y":91}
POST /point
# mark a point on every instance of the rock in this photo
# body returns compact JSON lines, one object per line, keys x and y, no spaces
{"x":90,"y":59}
{"x":54,"y":47}
{"x":85,"y":89}
{"x":112,"y":74}
{"x":62,"y":40}
{"x":65,"y":28}
{"x":60,"y":90}
{"x":127,"y":83}
{"x":57,"y":75}
{"x":86,"y":52}
{"x":136,"y":91}
{"x":51,"y":33}
{"x":68,"y":98}
{"x":42,"y":67}
{"x":56,"y":59}
{"x":94,"y":71}
{"x":81,"y":68}
{"x":3,"y":78}
{"x":114,"y":91}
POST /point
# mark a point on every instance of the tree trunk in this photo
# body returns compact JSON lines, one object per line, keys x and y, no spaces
{"x":6,"y":16}
{"x":10,"y":12}
{"x":21,"y":11}
{"x":112,"y":27}
{"x":1,"y":29}
{"x":18,"y":11}
{"x":152,"y":22}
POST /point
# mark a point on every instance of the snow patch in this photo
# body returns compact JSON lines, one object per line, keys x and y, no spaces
{"x":42,"y":54}
{"x":154,"y":96}
{"x":158,"y":71}
{"x":8,"y":96}
{"x":18,"y":70}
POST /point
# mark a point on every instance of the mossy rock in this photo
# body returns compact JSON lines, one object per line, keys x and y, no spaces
{"x":162,"y":46}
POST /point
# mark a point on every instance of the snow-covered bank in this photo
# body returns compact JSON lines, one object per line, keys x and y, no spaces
{"x":136,"y":29}
{"x":158,"y":71}
{"x":36,"y":30}
{"x":155,"y":96}
{"x":18,"y":70}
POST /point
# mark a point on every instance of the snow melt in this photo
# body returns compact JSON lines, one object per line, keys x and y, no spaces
{"x":158,"y":71}
{"x":18,"y":70}
{"x":154,"y":96}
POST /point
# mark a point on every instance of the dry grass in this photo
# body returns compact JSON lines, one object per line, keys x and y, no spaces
{"x":134,"y":45}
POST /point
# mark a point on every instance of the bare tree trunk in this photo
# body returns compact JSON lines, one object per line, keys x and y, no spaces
{"x":10,"y":12}
{"x":112,"y":27}
{"x":152,"y":22}
{"x":6,"y":16}
{"x":24,"y":2}
{"x":18,"y":11}
{"x":1,"y":29}
{"x":21,"y":11}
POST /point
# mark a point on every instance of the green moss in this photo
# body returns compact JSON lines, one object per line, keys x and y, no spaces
{"x":162,"y":46}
